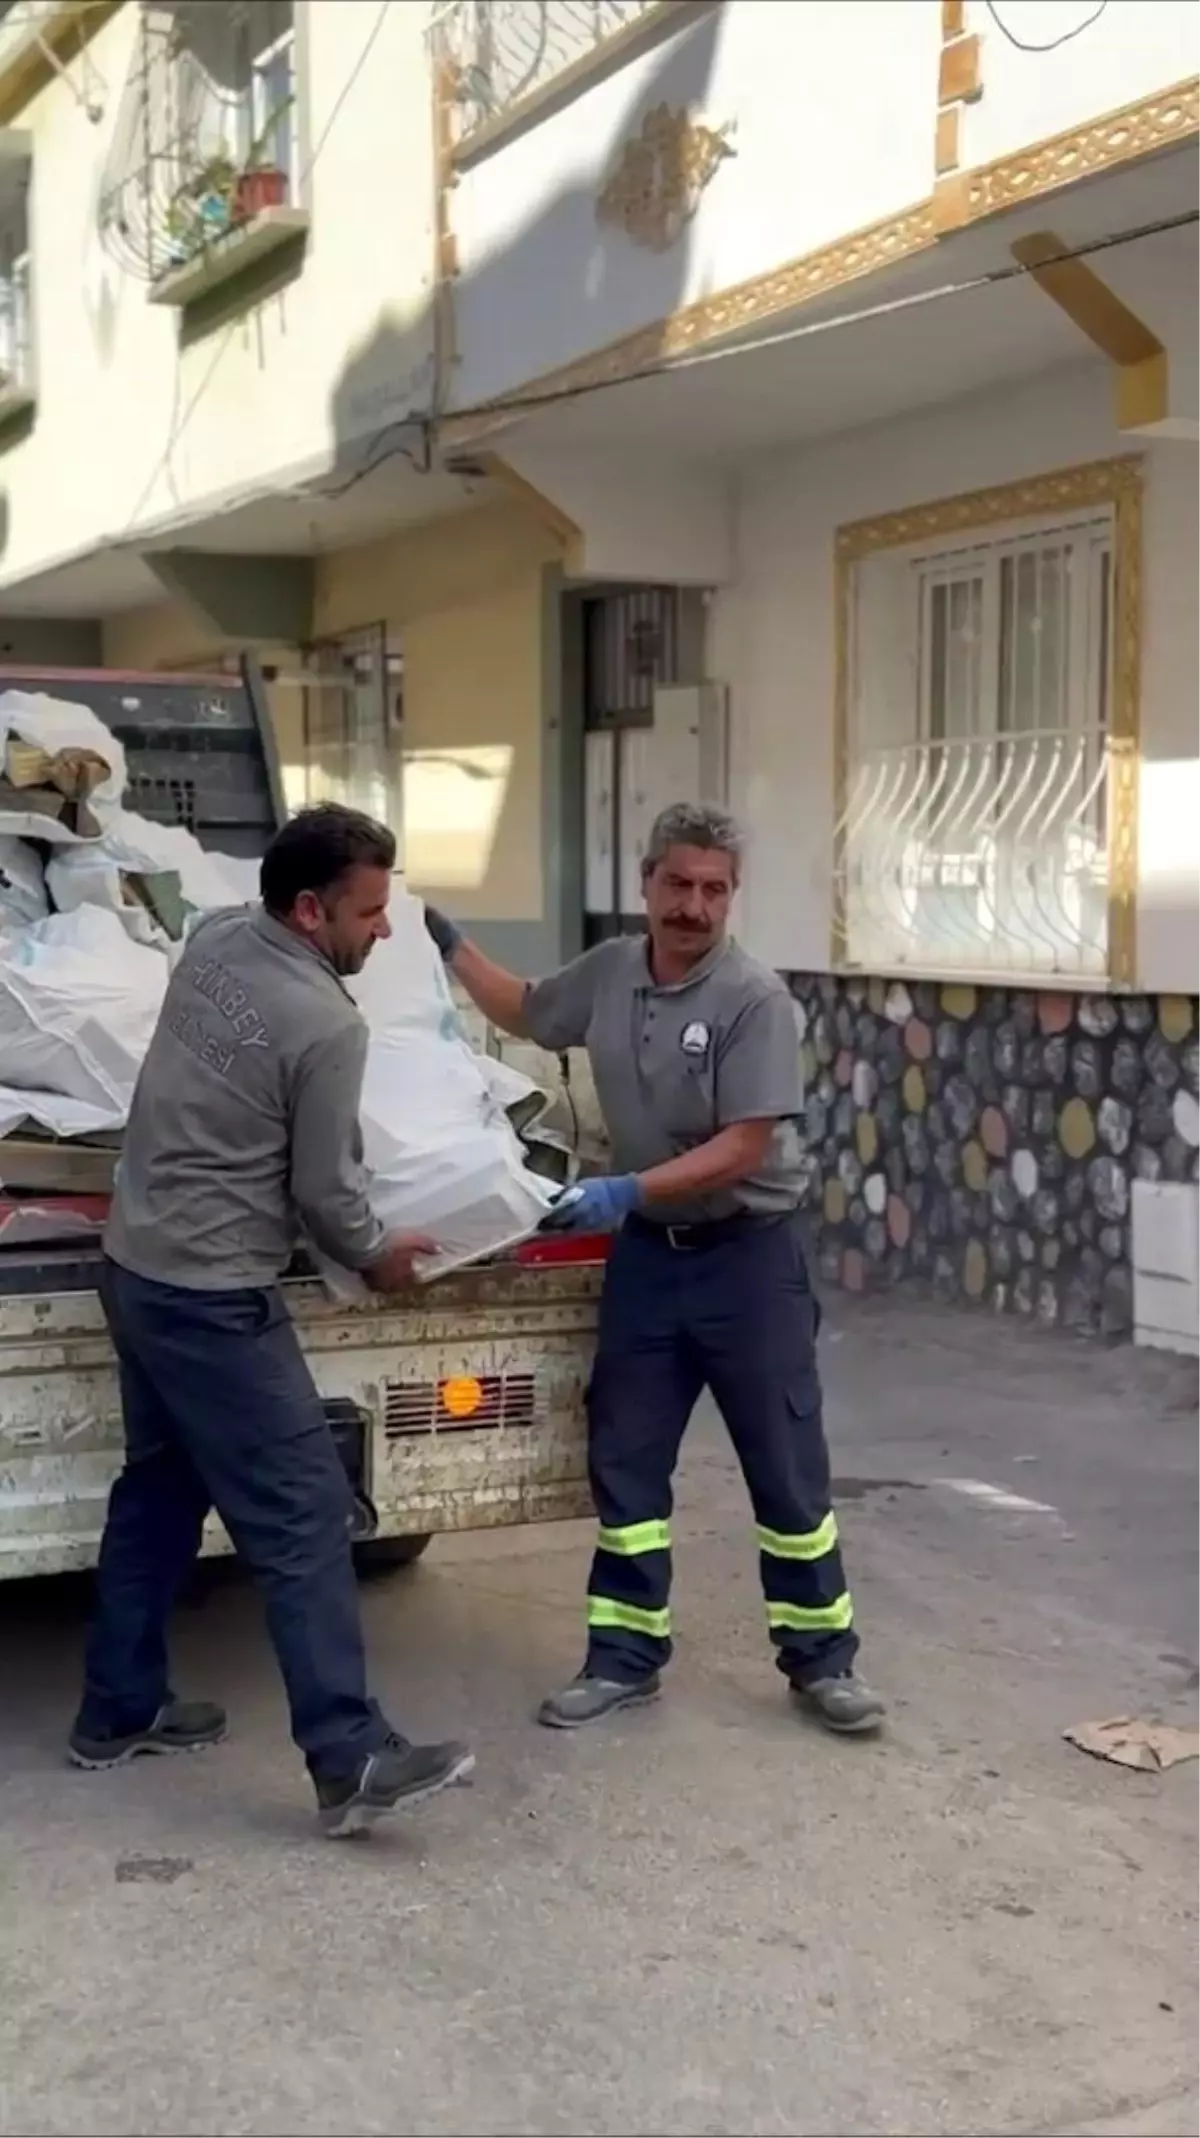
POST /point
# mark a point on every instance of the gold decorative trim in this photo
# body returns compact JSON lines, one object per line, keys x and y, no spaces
{"x":1126,"y":135}
{"x":1093,"y":482}
{"x":1121,"y":136}
{"x":1115,"y":482}
{"x":660,"y":176}
{"x":445,"y":244}
{"x":959,"y":80}
{"x":1139,"y":360}
{"x":744,"y":304}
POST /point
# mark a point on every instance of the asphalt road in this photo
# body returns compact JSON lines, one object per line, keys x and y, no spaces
{"x":707,"y":1917}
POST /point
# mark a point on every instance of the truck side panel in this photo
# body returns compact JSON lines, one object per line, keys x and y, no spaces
{"x":473,"y":1391}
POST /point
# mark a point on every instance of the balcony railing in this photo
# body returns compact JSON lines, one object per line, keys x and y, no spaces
{"x":204,"y":150}
{"x":983,"y":857}
{"x":494,"y":53}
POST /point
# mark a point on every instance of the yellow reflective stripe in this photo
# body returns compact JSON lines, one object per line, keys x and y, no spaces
{"x":806,"y":1544}
{"x":629,"y":1618}
{"x":635,"y":1537}
{"x":823,"y":1618}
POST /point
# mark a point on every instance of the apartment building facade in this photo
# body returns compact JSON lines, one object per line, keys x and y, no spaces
{"x":793,"y":403}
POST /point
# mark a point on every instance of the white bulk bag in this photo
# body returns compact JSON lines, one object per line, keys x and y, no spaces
{"x":437,"y":1142}
{"x":22,"y":885}
{"x":78,"y":1006}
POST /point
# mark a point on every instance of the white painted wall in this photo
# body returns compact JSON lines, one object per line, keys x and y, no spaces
{"x":130,"y":424}
{"x":1128,"y":50}
{"x":834,"y":110}
{"x":636,"y":520}
{"x":773,"y":644}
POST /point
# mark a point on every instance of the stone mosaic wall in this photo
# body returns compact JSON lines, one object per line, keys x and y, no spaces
{"x":984,"y":1140}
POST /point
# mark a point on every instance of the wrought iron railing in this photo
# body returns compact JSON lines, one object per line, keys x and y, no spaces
{"x":491,"y":53}
{"x":986,"y":856}
{"x":204,"y":140}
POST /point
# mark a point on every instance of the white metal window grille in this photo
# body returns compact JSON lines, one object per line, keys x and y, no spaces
{"x":975,"y":833}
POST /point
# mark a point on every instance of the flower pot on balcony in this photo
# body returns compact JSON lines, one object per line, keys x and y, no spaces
{"x":257,"y":189}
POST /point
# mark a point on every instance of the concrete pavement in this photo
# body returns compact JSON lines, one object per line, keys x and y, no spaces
{"x":707,"y":1917}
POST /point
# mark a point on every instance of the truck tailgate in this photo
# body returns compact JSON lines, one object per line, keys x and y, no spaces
{"x":471,"y":1393}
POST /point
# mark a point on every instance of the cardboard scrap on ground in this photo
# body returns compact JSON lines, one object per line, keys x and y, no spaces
{"x":1133,"y":1741}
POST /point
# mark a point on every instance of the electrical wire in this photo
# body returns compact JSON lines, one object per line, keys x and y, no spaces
{"x":692,"y":359}
{"x":662,"y":366}
{"x":1055,"y":42}
{"x":204,"y":382}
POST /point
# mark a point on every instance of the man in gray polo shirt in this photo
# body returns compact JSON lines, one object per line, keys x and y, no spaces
{"x":243,"y":1136}
{"x":694,"y":1053}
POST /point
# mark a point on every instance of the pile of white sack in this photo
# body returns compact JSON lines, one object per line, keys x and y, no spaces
{"x":84,"y":963}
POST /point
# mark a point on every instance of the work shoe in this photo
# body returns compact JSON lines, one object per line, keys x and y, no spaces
{"x":398,"y":1773}
{"x":843,"y":1703}
{"x":589,"y":1699}
{"x":180,"y":1726}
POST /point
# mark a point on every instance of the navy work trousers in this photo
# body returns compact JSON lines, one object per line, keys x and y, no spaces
{"x":734,"y":1313}
{"x":220,"y":1411}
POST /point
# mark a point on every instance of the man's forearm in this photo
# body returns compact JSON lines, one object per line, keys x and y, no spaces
{"x":725,"y":1159}
{"x":499,"y":994}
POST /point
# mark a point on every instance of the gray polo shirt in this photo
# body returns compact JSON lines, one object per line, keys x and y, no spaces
{"x":243,"y":1134}
{"x":673,"y":1065}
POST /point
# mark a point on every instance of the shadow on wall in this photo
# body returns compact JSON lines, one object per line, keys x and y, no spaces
{"x":569,"y":265}
{"x":564,"y":286}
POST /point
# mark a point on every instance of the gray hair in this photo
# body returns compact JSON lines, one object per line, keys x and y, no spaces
{"x":694,"y":824}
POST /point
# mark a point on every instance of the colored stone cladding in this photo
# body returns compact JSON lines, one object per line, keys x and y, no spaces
{"x":983,"y":1140}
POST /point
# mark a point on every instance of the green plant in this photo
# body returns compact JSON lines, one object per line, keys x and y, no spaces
{"x":255,"y":153}
{"x":201,"y":207}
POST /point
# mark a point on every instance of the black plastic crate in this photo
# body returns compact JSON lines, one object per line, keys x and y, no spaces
{"x":200,"y":749}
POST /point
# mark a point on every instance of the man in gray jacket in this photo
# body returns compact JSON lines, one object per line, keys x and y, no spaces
{"x":243,"y":1134}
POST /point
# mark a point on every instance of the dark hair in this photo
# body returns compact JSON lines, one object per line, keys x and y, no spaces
{"x":316,"y":848}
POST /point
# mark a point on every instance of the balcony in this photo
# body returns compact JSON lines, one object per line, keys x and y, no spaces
{"x":497,"y":58}
{"x":202,"y":184}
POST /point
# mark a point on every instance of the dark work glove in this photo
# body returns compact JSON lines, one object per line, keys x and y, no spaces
{"x":446,"y":936}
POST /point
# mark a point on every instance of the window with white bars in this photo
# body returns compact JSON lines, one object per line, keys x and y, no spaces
{"x":974,"y":838}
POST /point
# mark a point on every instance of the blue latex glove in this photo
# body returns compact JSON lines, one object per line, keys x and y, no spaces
{"x":443,"y":931}
{"x":595,"y":1205}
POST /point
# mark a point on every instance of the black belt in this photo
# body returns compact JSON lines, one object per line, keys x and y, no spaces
{"x":691,"y":1239}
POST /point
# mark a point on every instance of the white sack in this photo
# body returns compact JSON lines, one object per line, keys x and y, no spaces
{"x":78,"y":1005}
{"x":139,"y":847}
{"x":442,"y":1154}
{"x":93,"y":875}
{"x":22,"y":885}
{"x":54,"y":724}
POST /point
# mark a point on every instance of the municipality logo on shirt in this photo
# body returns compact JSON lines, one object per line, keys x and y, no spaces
{"x":695,"y":1038}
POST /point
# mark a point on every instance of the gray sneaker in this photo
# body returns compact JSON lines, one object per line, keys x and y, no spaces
{"x":181,"y":1726}
{"x":843,"y":1704}
{"x":589,"y":1699}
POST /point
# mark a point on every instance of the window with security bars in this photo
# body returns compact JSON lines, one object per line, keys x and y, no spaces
{"x":974,"y":838}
